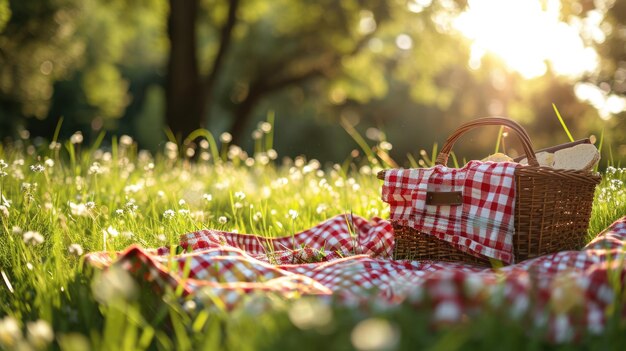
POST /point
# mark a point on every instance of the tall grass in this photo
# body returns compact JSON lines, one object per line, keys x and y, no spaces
{"x":61,"y":200}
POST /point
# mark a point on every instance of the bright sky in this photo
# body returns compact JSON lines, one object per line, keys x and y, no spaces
{"x":526,"y":35}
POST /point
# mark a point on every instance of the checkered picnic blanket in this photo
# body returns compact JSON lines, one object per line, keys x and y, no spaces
{"x":348,"y":259}
{"x":482,"y":225}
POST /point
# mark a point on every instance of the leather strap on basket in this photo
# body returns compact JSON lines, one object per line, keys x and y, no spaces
{"x":442,"y":158}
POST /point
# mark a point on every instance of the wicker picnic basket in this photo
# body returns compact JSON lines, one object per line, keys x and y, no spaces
{"x":552,"y":208}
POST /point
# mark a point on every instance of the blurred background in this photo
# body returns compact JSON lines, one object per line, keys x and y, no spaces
{"x":405,"y":71}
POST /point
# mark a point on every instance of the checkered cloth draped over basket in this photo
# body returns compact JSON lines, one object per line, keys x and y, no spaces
{"x":483,"y":225}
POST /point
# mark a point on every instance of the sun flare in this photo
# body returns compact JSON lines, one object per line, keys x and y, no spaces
{"x":527,"y":36}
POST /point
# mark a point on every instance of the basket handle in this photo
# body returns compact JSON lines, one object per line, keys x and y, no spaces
{"x":442,"y":158}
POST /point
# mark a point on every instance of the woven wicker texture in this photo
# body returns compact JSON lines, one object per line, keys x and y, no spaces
{"x":552,"y":208}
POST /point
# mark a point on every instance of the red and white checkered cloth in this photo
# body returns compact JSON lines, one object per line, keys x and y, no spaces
{"x":349,"y":258}
{"x":483,"y":225}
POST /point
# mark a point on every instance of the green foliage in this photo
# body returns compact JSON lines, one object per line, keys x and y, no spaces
{"x":107,"y":199}
{"x":5,"y":13}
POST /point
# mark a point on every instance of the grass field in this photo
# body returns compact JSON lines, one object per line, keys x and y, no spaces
{"x":60,"y":201}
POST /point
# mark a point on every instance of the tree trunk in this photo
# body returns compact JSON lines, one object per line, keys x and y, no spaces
{"x":241,"y":115}
{"x":184,"y":99}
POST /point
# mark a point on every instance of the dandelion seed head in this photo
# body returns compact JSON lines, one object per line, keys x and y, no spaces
{"x":32,"y":238}
{"x":226,"y":137}
{"x":76,"y":138}
{"x":75,"y":249}
{"x":190,"y":152}
{"x":293,"y":214}
{"x":182,"y":202}
{"x":385,"y":145}
{"x":272,"y":154}
{"x":54,"y":146}
{"x":78,"y":209}
{"x":95,"y":168}
{"x":126,"y":140}
{"x":10,"y":332}
{"x":222,"y":219}
{"x":257,"y":134}
{"x":240,"y":195}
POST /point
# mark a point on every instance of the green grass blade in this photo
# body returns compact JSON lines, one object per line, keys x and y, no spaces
{"x":499,"y":139}
{"x":558,"y":114}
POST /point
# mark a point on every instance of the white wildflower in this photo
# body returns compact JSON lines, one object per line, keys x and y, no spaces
{"x":181,"y":202}
{"x":257,"y":134}
{"x":37,"y":168}
{"x":265,"y":127}
{"x":293,"y":214}
{"x":4,"y":211}
{"x":16,"y":230}
{"x":239,"y":195}
{"x":90,"y":205}
{"x":10,"y":333}
{"x":95,"y":168}
{"x":171,"y":150}
{"x":112,"y":231}
{"x":126,"y":140}
{"x":222,"y":219}
{"x":226,"y":137}
{"x":257,"y":216}
{"x":272,"y":154}
{"x":127,"y":234}
{"x":54,"y":146}
{"x":119,"y":212}
{"x":238,"y":205}
{"x":39,"y":333}
{"x":208,"y":197}
{"x":3,"y":164}
{"x":183,"y":211}
{"x":78,"y":209}
{"x":75,"y":249}
{"x":49,"y":163}
{"x":131,"y":207}
{"x":169,"y":214}
{"x":321,"y":208}
{"x":32,"y":238}
{"x":76,"y":138}
{"x":385,"y":145}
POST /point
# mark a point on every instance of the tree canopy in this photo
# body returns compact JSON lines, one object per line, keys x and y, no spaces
{"x":136,"y":66}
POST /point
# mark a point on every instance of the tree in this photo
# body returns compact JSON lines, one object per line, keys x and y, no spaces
{"x":279,"y":44}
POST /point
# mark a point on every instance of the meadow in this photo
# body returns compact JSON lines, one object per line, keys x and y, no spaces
{"x":61,"y":200}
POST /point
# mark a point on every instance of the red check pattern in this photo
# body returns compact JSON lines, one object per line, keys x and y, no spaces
{"x":483,"y":225}
{"x":566,"y":292}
